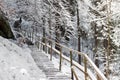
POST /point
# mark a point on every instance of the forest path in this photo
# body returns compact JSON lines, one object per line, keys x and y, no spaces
{"x":47,"y":66}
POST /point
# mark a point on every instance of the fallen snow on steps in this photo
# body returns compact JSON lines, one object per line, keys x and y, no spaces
{"x":66,"y":68}
{"x":17,"y":64}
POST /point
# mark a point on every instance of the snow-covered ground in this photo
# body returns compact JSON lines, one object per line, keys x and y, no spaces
{"x":17,"y":63}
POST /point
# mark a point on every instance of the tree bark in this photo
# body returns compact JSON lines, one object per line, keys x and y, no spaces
{"x":78,"y":25}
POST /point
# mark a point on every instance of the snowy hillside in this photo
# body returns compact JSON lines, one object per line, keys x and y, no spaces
{"x":17,"y":64}
{"x":93,"y":26}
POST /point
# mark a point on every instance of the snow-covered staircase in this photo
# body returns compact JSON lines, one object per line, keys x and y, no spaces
{"x":49,"y":46}
{"x":47,"y":66}
{"x":52,"y":73}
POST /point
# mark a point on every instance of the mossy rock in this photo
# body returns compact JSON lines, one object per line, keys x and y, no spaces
{"x":5,"y":30}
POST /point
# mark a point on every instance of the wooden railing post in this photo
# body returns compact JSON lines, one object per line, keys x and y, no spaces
{"x":71,"y":64}
{"x":74,"y":73}
{"x":46,"y":48}
{"x":98,"y":78}
{"x":85,"y":67}
{"x":41,"y":45}
{"x":45,"y":45}
{"x":51,"y":52}
{"x":38,"y":45}
{"x":31,"y":36}
{"x":60,"y":65}
{"x":43,"y":41}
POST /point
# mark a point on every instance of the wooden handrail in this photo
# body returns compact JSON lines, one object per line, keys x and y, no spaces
{"x":74,"y":63}
{"x":99,"y":73}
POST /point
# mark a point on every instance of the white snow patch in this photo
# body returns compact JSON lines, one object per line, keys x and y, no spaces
{"x":17,"y":63}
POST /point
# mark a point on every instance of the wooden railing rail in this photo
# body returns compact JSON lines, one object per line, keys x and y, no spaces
{"x":48,"y":43}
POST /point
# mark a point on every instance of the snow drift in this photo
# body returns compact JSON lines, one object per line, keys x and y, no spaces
{"x":16,"y":63}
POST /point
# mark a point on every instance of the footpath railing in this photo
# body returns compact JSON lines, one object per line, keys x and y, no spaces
{"x":87,"y":64}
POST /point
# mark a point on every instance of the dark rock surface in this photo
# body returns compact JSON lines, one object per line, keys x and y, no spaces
{"x":5,"y":30}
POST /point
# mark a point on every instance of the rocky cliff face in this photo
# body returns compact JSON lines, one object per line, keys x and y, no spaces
{"x":5,"y":30}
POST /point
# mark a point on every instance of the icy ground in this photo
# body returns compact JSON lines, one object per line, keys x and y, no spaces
{"x":17,"y":64}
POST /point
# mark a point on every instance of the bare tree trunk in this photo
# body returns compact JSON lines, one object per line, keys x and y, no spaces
{"x":96,"y":45}
{"x":57,"y":31}
{"x":43,"y":40}
{"x":50,"y":21}
{"x":108,"y":48}
{"x":78,"y":25}
{"x":50,"y":27}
